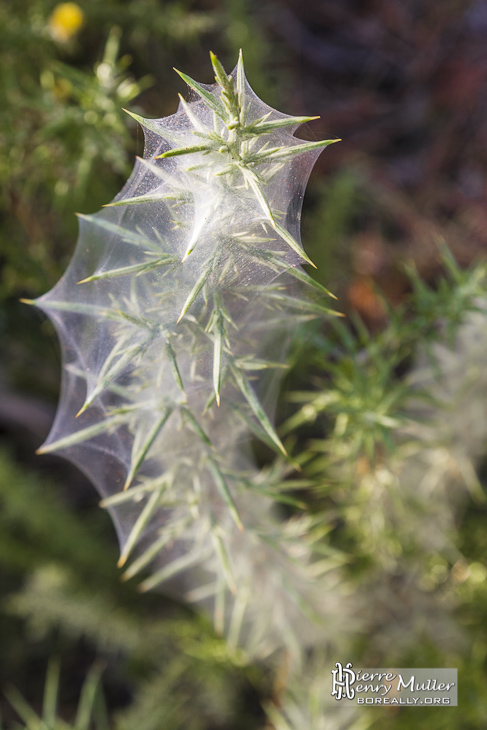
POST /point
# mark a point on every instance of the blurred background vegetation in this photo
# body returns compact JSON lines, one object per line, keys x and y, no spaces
{"x":405,"y":85}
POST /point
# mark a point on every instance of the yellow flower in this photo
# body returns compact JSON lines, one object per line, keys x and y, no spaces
{"x":65,"y":21}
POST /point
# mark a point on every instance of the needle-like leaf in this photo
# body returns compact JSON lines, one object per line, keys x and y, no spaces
{"x":154,"y":125}
{"x":272,"y":126}
{"x":141,"y":199}
{"x":140,"y":523}
{"x":218,"y":335}
{"x":220,"y":75}
{"x":92,"y":310}
{"x":144,"y":266}
{"x":256,"y":407}
{"x":51,"y":689}
{"x":140,"y":454}
{"x":171,"y":531}
{"x":88,"y":696}
{"x":193,"y":294}
{"x":195,"y":426}
{"x":189,"y":150}
{"x":23,"y":709}
{"x":84,"y":434}
{"x":174,"y":366}
{"x":298,"y":273}
{"x":211,"y":101}
{"x":241,"y":86}
{"x":286,"y":153}
{"x":173,"y":568}
{"x":225,"y":493}
{"x":252,"y":179}
{"x":126,"y":234}
{"x":222,"y":552}
{"x":292,"y":243}
{"x":133,"y":494}
{"x":109,"y":373}
{"x":303,"y":305}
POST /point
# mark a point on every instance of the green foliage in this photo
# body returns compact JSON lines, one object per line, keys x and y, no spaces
{"x":404,"y":553}
{"x":438,"y":312}
{"x":64,"y":140}
{"x":68,"y":589}
{"x":368,"y":418}
{"x":38,"y":527}
{"x":88,"y":707}
{"x":54,"y":130}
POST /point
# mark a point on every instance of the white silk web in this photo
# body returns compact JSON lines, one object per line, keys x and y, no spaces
{"x":175,"y":316}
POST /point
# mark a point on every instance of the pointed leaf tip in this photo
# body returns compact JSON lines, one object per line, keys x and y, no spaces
{"x":186,"y":255}
{"x":211,"y":101}
{"x":82,"y":410}
{"x":135,"y":116}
